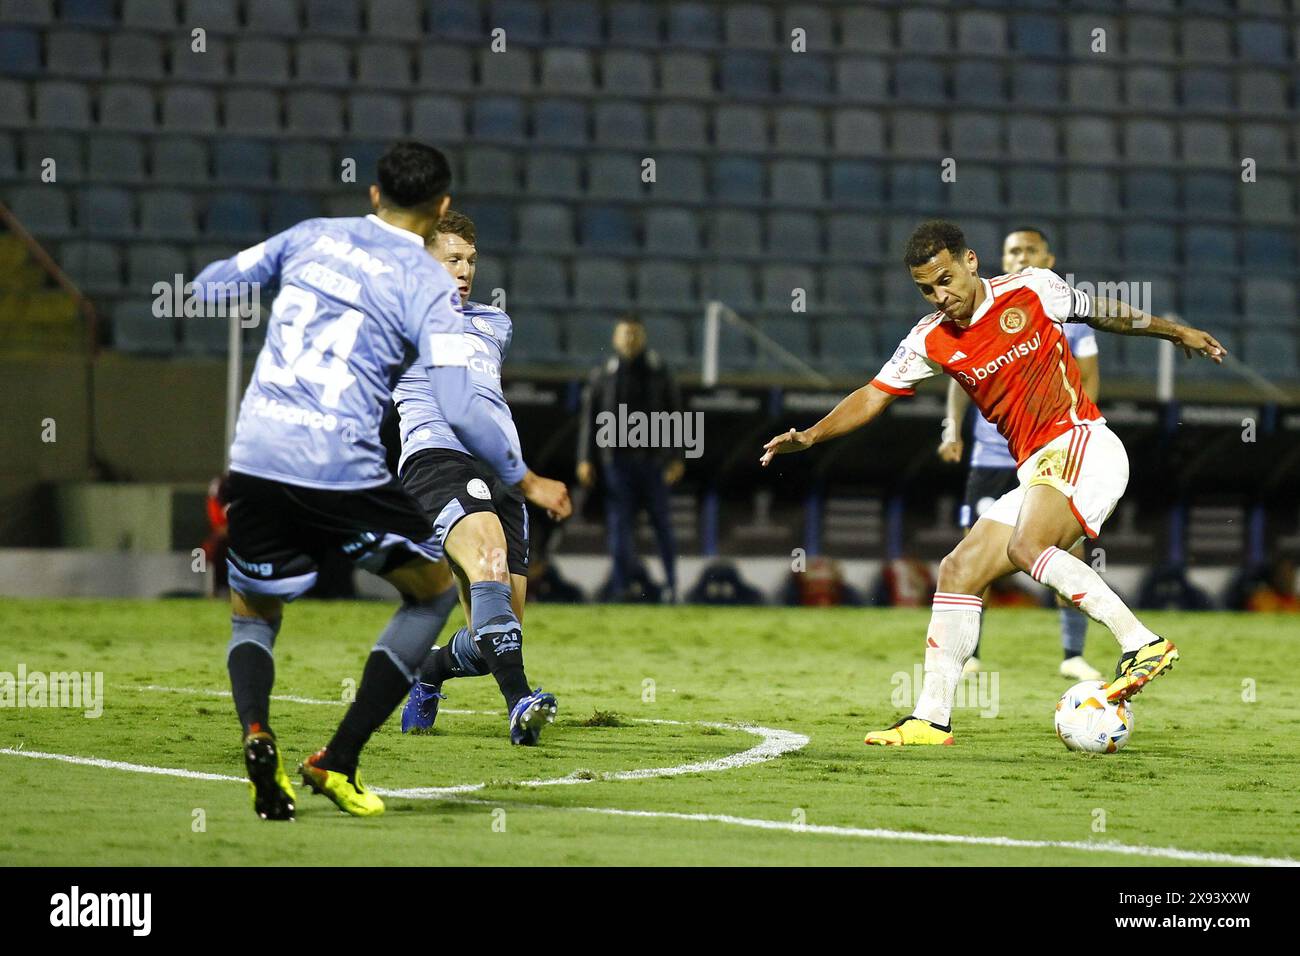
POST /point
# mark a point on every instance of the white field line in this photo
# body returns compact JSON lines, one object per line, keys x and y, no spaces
{"x":1150,"y":852}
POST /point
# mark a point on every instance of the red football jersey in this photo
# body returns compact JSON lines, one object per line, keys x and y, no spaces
{"x":1012,"y":359}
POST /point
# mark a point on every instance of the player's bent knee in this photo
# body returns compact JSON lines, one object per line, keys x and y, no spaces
{"x":479,"y":548}
{"x":1023,"y":552}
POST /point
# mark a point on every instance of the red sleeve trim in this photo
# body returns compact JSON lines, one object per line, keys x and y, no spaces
{"x":890,"y":389}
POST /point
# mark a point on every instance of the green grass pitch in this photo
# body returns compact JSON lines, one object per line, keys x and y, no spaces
{"x":1213,"y":766}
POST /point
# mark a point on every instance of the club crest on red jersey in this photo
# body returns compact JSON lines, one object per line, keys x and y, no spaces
{"x":1012,"y":321}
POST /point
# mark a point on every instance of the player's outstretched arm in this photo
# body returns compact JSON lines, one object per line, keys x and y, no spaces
{"x":854,"y":410}
{"x":1110,"y":315}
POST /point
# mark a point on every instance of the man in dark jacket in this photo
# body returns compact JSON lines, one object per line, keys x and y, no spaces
{"x":631,"y":387}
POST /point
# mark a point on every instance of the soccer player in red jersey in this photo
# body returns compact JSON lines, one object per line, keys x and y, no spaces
{"x":1001,"y":340}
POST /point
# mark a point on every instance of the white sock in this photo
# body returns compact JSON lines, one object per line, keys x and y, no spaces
{"x":1083,"y":587}
{"x":950,"y":641}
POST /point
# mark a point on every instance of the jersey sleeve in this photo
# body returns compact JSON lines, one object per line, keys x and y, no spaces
{"x":258,"y":264}
{"x":1082,"y":339}
{"x":1061,"y":301}
{"x":908,"y":367}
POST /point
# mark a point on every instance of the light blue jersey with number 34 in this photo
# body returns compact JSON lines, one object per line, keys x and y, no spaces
{"x":360,"y":300}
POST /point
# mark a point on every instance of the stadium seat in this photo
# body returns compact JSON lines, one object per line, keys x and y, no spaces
{"x":234,"y":216}
{"x":1147,"y":88}
{"x":1265,"y":248}
{"x":1271,"y":199}
{"x":561,"y":122}
{"x":1036,"y":137}
{"x":1090,"y":192}
{"x":794,"y":333}
{"x":8,"y":157}
{"x":304,"y":165}
{"x":668,"y":336}
{"x":15,"y":106}
{"x":670,"y":231}
{"x":252,"y":112}
{"x":156,"y":16}
{"x":94,"y":267}
{"x":204,"y":335}
{"x":797,"y":183}
{"x":455,"y":20}
{"x":980,"y":83}
{"x":1206,"y":142}
{"x":189,"y":65}
{"x":919,"y":81}
{"x":498,"y":119}
{"x":976,"y":189}
{"x":976,"y":136}
{"x":740,"y":129}
{"x":739,"y":180}
{"x":798,"y":129}
{"x":849,"y":289}
{"x":1093,"y":87}
{"x":271,"y":18}
{"x":1205,"y":40}
{"x":33,"y":12}
{"x":620,"y":124}
{"x":1210,"y":195}
{"x":74,"y":53}
{"x":64,"y":148}
{"x":520,"y":19}
{"x":854,"y":237}
{"x":168,"y":214}
{"x":1091,"y":244}
{"x":745,"y":73}
{"x":614,"y":176}
{"x":449,"y":69}
{"x":916,"y":188}
{"x":1036,"y":84}
{"x":1212,"y":246}
{"x":693,"y":25}
{"x":924,"y":31}
{"x":261,"y":60}
{"x":665,"y":285}
{"x":574,"y":21}
{"x":322,"y":63}
{"x":289,"y":209}
{"x":147,"y":263}
{"x":1272,"y":353}
{"x":730,"y":283}
{"x":180,"y":160}
{"x":849,"y":344}
{"x":492,"y":218}
{"x":546,"y":227}
{"x":857,"y":185}
{"x":242,"y":162}
{"x":62,"y":105}
{"x":313,"y":112}
{"x":567,"y":71}
{"x":89,"y":13}
{"x":1260,"y":41}
{"x":793,"y":235}
{"x":510,"y":71}
{"x":490,"y":170}
{"x":857,"y":132}
{"x":734,"y":234}
{"x":587,"y":337}
{"x":44,"y":211}
{"x":340,"y":18}
{"x":1263,"y":142}
{"x":981,"y":32}
{"x":1150,"y":244}
{"x":536,"y":281}
{"x":1035,"y":35}
{"x":217,"y":16}
{"x":680,"y":179}
{"x":607,"y":229}
{"x":189,"y":109}
{"x":1261,"y":91}
{"x":438,"y":119}
{"x":393,"y":19}
{"x":860,"y":80}
{"x":749,"y":25}
{"x":551,"y":175}
{"x":535,"y":338}
{"x":105,"y":211}
{"x":1149,"y":39}
{"x":914,"y":134}
{"x":1031,"y":189}
{"x":866,"y":30}
{"x":1206,"y":89}
{"x":135,"y":56}
{"x":138,"y":331}
{"x":601,"y":283}
{"x":1087,"y":137}
{"x":628,"y":72}
{"x":1150,"y":193}
{"x":633,"y":23}
{"x":384,"y":66}
{"x":1266,"y":299}
{"x":376,"y":116}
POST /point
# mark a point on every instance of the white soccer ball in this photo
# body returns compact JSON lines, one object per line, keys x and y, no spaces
{"x":1086,"y":722}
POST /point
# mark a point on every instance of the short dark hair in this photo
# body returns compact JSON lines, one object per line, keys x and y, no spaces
{"x":1034,"y":229}
{"x":413,"y":174}
{"x":458,"y":224}
{"x":932,"y":237}
{"x":629,"y":318}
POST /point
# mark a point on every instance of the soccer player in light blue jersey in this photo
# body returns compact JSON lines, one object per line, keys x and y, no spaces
{"x":992,"y":469}
{"x":478,"y":513}
{"x":359,"y":301}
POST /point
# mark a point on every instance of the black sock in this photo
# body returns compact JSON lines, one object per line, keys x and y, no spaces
{"x":252,"y":675}
{"x":459,"y":657}
{"x":383,"y":686}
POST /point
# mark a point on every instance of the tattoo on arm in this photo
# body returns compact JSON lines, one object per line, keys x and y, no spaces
{"x":1111,"y":315}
